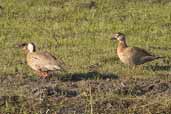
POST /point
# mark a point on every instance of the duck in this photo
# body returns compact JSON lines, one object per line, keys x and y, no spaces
{"x":131,"y":56}
{"x":42,"y":62}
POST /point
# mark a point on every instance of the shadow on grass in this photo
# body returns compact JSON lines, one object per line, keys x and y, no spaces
{"x":158,"y":68}
{"x":110,"y":60}
{"x":89,"y":75}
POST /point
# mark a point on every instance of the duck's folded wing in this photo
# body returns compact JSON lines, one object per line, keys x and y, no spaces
{"x":56,"y":60}
{"x":149,"y":58}
{"x":45,"y":62}
{"x":141,"y":51}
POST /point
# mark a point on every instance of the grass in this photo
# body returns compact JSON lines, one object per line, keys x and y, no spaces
{"x":73,"y":32}
{"x":80,"y":36}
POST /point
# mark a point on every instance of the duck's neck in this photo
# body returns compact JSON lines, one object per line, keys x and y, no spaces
{"x":32,"y":50}
{"x":29,"y":52}
{"x":121,"y":46}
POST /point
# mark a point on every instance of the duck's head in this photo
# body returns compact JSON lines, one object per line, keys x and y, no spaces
{"x":28,"y":47}
{"x":118,"y":36}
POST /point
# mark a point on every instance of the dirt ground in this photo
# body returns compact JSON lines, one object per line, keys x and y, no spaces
{"x":84,"y":94}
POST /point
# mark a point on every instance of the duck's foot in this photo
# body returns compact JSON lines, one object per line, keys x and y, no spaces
{"x":43,"y":74}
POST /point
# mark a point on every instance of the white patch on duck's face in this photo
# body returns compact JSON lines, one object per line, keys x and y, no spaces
{"x":116,"y":35}
{"x":30,"y":47}
{"x":121,"y":37}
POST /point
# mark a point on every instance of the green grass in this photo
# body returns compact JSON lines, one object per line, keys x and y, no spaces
{"x":81,"y":36}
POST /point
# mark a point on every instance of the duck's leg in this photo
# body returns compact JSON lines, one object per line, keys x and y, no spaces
{"x":43,"y":74}
{"x":134,"y":67}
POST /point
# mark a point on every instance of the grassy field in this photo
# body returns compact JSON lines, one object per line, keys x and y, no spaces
{"x":79,"y":32}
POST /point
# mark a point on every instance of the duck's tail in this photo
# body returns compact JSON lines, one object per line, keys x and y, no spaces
{"x":159,"y":57}
{"x":151,"y":58}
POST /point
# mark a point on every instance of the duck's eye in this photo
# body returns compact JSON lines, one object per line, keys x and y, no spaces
{"x":24,"y":44}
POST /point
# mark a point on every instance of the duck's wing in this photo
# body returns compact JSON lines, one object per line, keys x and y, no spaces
{"x":58,"y":61}
{"x":144,"y":55}
{"x":44,"y":61}
{"x":140,"y":51}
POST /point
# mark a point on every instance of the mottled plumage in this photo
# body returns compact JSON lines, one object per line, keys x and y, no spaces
{"x":43,"y":61}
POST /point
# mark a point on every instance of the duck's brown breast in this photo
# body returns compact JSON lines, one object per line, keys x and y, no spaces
{"x":125,"y":56}
{"x":32,"y":61}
